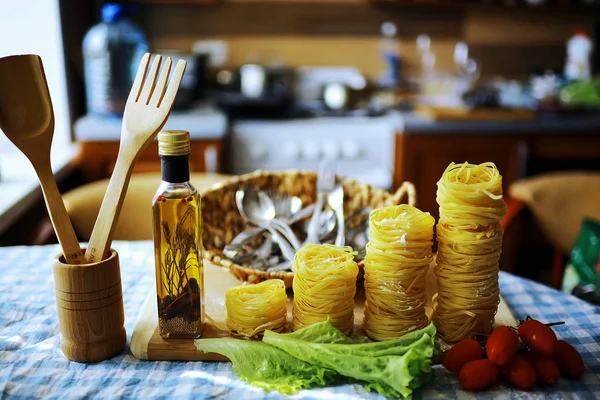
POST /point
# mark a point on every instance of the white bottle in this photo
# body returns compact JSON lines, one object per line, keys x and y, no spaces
{"x":579,"y":48}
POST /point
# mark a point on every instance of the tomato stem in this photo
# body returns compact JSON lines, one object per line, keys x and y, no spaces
{"x":548,"y":324}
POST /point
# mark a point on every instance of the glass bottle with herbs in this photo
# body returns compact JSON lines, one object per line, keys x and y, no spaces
{"x":177,"y":229}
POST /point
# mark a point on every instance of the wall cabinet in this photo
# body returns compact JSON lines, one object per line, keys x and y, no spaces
{"x":422,"y":158}
{"x":97,"y":159}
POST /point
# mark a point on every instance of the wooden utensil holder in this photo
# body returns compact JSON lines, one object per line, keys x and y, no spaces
{"x":89,"y":302}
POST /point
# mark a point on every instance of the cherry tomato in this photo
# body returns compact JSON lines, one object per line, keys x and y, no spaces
{"x":539,"y":337}
{"x":464,"y":351}
{"x":520,"y":373}
{"x":569,"y":361}
{"x":546,"y":368}
{"x":502,"y":345}
{"x":478,"y":375}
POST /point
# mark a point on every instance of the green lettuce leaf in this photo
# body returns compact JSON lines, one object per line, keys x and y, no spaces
{"x":268,"y":367}
{"x":392,"y":368}
{"x":324,"y":332}
{"x":319,"y":355}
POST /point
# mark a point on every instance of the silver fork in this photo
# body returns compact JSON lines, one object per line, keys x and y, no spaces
{"x":325,"y":184}
{"x":335,"y":199}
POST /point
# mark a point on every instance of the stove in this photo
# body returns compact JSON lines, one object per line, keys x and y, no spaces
{"x":362,"y":147}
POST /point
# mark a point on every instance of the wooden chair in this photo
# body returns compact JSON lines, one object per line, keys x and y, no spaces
{"x":135,"y":221}
{"x":558,"y":203}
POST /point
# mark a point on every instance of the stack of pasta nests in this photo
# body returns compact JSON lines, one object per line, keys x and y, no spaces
{"x":396,"y":264}
{"x":398,"y":256}
{"x":469,"y":239}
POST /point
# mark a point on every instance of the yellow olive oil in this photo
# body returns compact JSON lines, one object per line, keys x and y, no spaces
{"x":177,"y":231}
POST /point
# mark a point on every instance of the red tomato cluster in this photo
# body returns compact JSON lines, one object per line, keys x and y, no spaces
{"x":543,"y":358}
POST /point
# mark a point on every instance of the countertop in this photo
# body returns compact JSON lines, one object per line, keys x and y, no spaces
{"x":203,"y":123}
{"x":411,"y":123}
{"x":207,"y":122}
{"x":20,"y":186}
{"x":546,"y":124}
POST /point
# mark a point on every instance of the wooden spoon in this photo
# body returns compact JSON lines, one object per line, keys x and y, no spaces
{"x":27,"y":119}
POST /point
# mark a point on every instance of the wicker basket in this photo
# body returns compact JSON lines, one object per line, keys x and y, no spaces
{"x":222,"y":220}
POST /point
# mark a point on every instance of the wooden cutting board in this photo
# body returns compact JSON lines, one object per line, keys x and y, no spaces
{"x":474,"y":114}
{"x":146,"y":343}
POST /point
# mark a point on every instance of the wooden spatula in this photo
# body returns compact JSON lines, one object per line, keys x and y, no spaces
{"x":146,"y":111}
{"x":27,"y":119}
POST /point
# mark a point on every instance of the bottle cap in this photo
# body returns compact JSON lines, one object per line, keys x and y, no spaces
{"x":174,"y":143}
{"x":111,"y":12}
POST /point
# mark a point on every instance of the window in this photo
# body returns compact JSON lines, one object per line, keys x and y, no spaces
{"x":33,"y":27}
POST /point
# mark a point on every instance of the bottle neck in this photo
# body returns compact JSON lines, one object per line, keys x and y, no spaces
{"x":175,"y":169}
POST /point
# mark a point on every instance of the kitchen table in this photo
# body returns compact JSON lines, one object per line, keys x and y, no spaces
{"x":32,"y":364}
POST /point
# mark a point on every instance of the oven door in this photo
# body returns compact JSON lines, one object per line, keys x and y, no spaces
{"x":362,"y":147}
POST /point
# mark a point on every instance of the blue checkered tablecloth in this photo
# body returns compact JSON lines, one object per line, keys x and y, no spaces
{"x":32,"y":364}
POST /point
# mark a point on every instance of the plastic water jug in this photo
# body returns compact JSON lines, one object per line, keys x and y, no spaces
{"x":112,"y":51}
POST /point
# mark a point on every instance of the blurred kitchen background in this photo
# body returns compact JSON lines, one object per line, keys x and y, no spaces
{"x":382,"y":87}
{"x":392,"y":90}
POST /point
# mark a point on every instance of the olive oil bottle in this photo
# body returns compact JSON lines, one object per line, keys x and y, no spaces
{"x":177,"y":231}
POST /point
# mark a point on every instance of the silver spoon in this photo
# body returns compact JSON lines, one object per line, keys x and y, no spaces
{"x":268,"y":212}
{"x":285,"y":206}
{"x":327,"y":223}
{"x":233,"y":248}
{"x":260,"y":211}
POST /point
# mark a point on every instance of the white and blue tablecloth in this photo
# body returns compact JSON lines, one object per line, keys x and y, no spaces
{"x":32,"y":364}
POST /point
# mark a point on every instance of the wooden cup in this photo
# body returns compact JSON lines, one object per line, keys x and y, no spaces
{"x":89,"y":302}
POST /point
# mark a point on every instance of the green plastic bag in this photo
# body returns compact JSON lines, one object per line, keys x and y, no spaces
{"x":582,"y":277}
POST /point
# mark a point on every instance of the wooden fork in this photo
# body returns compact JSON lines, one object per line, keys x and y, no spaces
{"x":146,"y":111}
